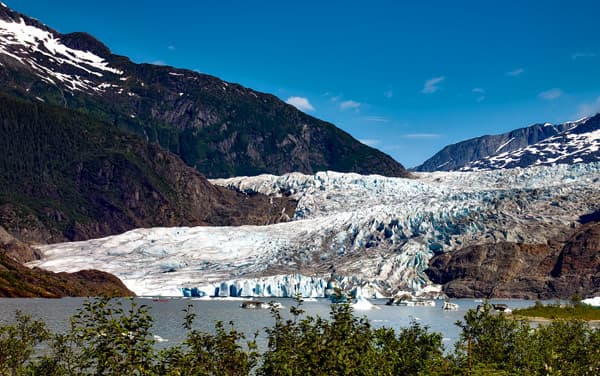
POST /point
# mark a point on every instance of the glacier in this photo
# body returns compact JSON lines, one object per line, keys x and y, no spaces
{"x":369,"y":234}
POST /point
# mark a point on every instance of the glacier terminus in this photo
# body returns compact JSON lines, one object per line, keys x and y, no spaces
{"x":369,"y":234}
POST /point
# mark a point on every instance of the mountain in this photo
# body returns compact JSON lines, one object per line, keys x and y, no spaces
{"x":67,"y":176}
{"x":17,"y":280}
{"x":222,"y":129}
{"x":560,"y":269}
{"x":456,"y":156}
{"x":579,"y":143}
{"x":373,"y":233}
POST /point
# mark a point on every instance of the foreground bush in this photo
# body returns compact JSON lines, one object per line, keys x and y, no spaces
{"x":492,"y":343}
{"x":108,"y":339}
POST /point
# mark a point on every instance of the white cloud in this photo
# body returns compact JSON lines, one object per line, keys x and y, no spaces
{"x":158,"y":62}
{"x":580,"y":55}
{"x":551,"y":94}
{"x":376,"y":119}
{"x":480,"y":92}
{"x":421,"y":135}
{"x":300,"y":103}
{"x":589,"y":109}
{"x":388,"y":93}
{"x":431,"y":85}
{"x":370,"y":142}
{"x":515,"y":73}
{"x":171,"y":47}
{"x":349,"y":104}
{"x":336,"y":98}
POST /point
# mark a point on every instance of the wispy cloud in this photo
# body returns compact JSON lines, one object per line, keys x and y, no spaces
{"x":432,"y":85}
{"x":551,"y":94}
{"x":349,"y":104}
{"x":158,"y":62}
{"x":421,"y":135}
{"x":370,"y":142}
{"x":388,"y":93}
{"x":171,"y":47}
{"x":515,"y":73}
{"x":589,"y":108}
{"x":480,"y":93}
{"x":375,"y":119}
{"x":580,"y":55}
{"x":300,"y":103}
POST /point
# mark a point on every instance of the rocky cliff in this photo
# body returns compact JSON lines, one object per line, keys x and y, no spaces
{"x":17,"y":280}
{"x":559,"y":269}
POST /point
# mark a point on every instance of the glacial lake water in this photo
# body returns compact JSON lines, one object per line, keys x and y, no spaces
{"x":168,"y":315}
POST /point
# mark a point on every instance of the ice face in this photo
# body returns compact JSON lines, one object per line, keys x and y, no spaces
{"x":372,"y":232}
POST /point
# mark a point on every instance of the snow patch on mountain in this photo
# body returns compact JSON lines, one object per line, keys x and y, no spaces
{"x":39,"y":48}
{"x":570,"y":146}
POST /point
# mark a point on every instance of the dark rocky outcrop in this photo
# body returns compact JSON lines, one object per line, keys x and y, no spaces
{"x":512,"y":270}
{"x":17,"y":280}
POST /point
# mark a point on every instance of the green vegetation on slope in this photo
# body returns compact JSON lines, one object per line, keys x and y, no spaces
{"x":66,"y":176}
{"x":575,"y":311}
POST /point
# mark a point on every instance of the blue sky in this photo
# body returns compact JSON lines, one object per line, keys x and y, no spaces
{"x":406,"y":78}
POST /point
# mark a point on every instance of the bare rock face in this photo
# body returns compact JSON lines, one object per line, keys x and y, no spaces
{"x":17,"y":280}
{"x":513,"y":270}
{"x":16,"y":249}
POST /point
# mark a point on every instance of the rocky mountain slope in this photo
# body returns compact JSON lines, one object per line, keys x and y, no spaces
{"x":17,"y":280}
{"x":455,"y":156}
{"x":67,"y":176}
{"x":559,"y":269}
{"x":374,"y":233}
{"x":580,"y":143}
{"x":222,"y":129}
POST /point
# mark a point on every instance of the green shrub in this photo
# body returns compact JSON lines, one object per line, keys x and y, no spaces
{"x":108,"y":337}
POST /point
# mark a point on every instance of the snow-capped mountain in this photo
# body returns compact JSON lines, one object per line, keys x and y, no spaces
{"x":579,"y":143}
{"x":220,"y":128}
{"x":455,"y":156}
{"x":472,"y":151}
{"x":373,"y":232}
{"x":75,"y":61}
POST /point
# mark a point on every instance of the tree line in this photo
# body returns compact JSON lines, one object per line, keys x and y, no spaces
{"x":108,"y":337}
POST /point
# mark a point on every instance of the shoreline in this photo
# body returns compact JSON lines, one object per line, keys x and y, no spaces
{"x":546,"y":320}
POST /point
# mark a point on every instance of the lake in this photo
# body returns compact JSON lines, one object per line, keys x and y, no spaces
{"x":168,"y":314}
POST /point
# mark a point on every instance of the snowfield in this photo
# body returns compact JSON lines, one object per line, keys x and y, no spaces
{"x":51,"y":60}
{"x":374,"y":233}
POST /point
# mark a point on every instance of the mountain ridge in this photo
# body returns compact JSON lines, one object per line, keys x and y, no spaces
{"x":457,"y":155}
{"x":579,"y":143}
{"x":222,"y":129}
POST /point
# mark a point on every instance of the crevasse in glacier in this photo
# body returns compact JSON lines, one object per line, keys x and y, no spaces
{"x":368,"y":229}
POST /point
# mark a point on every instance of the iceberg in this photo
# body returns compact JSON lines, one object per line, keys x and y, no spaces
{"x":594,"y":302}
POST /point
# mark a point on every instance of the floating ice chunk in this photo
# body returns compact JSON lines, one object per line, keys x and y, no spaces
{"x":594,"y":302}
{"x":362,"y":304}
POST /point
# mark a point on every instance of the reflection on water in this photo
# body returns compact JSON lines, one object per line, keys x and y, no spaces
{"x":168,"y":315}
